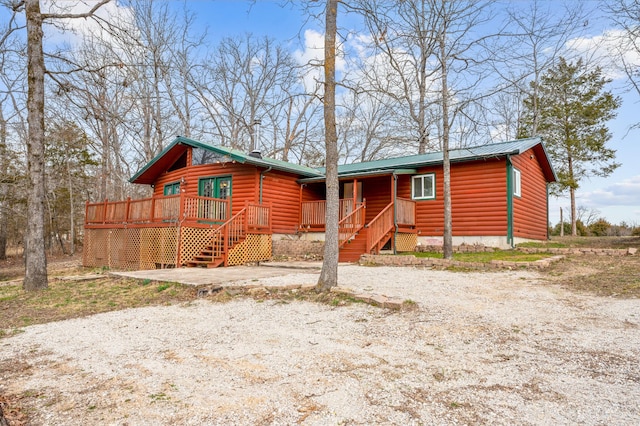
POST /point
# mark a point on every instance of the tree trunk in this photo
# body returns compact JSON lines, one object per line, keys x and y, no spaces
{"x":447,"y":244}
{"x":4,"y":217}
{"x":574,"y":226}
{"x":329,"y":274}
{"x":35,"y":258}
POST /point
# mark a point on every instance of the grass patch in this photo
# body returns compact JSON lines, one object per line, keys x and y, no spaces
{"x":71,"y":299}
{"x":486,"y":257}
{"x":542,"y":244}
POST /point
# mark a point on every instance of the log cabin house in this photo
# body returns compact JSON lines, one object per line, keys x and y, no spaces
{"x":215,"y":206}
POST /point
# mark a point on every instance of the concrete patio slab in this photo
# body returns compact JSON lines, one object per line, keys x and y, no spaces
{"x":222,"y":276}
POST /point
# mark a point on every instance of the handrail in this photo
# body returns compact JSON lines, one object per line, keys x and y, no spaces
{"x":229,"y":233}
{"x":251,"y":217}
{"x":380,"y":226}
{"x":351,"y":225}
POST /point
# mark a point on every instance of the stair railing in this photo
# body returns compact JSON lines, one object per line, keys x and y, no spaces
{"x":351,"y":224}
{"x":379,"y":227}
{"x":228,"y":234}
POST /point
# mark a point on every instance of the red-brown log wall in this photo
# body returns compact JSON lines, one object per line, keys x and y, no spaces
{"x":478,"y":199}
{"x":530,"y":210}
{"x":244,"y":181}
{"x":283,"y":192}
{"x":377,"y":193}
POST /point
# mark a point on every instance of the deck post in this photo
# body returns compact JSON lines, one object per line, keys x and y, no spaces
{"x":104,"y":211}
{"x":86,"y":212}
{"x":126,"y":210}
{"x":153,"y":209}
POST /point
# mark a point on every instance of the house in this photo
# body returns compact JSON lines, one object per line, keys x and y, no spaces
{"x":216,"y":206}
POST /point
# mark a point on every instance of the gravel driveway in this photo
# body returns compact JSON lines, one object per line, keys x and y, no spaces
{"x":481,"y":348}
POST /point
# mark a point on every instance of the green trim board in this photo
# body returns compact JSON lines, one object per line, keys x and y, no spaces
{"x":509,"y":201}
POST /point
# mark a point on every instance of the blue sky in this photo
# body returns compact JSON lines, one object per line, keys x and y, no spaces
{"x":616,"y":197}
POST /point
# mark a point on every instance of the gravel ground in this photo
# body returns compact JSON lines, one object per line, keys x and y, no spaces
{"x":481,"y":348}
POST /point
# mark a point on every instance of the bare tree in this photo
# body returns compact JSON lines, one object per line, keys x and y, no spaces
{"x":403,"y":32}
{"x":35,"y":258}
{"x":246,"y":80}
{"x":626,"y":15}
{"x":329,"y":274}
{"x":533,"y":37}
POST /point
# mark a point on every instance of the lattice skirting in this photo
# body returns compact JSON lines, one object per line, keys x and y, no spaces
{"x":151,"y":248}
{"x":192,"y":241}
{"x":135,"y":248}
{"x":255,"y":248}
{"x":406,"y":242}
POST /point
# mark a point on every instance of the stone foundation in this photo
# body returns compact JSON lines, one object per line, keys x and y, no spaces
{"x":298,"y":249}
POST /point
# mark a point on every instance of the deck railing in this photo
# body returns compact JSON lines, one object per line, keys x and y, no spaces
{"x":162,"y":209}
{"x":405,"y":212}
{"x":313,"y":212}
{"x":379,"y":227}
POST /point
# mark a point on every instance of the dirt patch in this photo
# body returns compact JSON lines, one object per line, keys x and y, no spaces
{"x":616,"y":276}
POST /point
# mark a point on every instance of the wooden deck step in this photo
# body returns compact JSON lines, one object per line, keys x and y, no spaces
{"x":354,"y":248}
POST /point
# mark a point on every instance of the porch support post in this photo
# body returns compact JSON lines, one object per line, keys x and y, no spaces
{"x":394,"y":190}
{"x":355,"y":192}
{"x":299,"y":208}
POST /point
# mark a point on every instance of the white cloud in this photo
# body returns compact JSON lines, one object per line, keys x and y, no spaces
{"x":71,"y":31}
{"x":625,"y":193}
{"x":609,"y":50}
{"x":313,"y":54}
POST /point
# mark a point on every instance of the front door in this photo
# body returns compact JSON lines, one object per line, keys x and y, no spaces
{"x":346,"y":204}
{"x":215,"y":187}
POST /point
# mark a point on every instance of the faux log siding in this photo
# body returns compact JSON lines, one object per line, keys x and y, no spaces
{"x":377,"y":193}
{"x":478,"y":199}
{"x":314,"y":192}
{"x":283,"y":192}
{"x":530,"y":210}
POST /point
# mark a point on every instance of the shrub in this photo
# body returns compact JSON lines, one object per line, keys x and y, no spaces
{"x":600,"y":228}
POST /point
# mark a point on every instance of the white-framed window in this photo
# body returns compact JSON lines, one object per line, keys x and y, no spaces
{"x":517,"y":185}
{"x":423,"y":187}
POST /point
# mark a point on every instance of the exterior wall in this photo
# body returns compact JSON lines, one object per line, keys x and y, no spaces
{"x":244,"y":183}
{"x":377,"y":193}
{"x":478,"y":200}
{"x":530,"y":210}
{"x":283,"y":192}
{"x":278,"y":188}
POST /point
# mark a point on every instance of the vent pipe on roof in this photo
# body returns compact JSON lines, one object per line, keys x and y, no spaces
{"x":255,"y":146}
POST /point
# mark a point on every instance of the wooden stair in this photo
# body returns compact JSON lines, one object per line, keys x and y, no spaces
{"x":354,"y":248}
{"x":212,"y":257}
{"x":206,"y":259}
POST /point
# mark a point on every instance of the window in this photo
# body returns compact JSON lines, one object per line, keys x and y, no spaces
{"x":517,"y":188}
{"x":423,"y":187}
{"x":172,"y":188}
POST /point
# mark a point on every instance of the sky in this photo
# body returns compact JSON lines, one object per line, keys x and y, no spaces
{"x":616,"y":198}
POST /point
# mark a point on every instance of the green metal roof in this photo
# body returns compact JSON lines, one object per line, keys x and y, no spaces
{"x":397,"y":165}
{"x":456,"y":155}
{"x":162,"y":161}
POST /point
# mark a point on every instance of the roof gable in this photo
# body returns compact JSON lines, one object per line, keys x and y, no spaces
{"x":150,"y":172}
